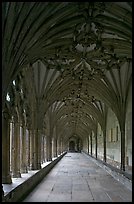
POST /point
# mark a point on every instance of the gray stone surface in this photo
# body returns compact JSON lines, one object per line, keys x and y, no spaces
{"x":76,"y":178}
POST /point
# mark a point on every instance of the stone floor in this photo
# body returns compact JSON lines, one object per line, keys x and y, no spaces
{"x":78,"y":178}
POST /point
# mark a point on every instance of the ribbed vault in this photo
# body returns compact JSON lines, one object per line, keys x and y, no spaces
{"x":73,"y":60}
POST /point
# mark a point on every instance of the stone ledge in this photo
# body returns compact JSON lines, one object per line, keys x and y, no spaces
{"x":22,"y":190}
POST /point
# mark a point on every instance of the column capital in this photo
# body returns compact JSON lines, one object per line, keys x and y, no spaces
{"x":6,"y":114}
{"x":15,"y":118}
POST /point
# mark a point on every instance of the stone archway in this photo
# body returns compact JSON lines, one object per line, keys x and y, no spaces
{"x":72,"y":146}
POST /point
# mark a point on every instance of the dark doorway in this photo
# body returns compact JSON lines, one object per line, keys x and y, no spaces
{"x":72,"y":146}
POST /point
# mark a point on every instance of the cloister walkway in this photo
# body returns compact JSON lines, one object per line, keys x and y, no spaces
{"x":78,"y":178}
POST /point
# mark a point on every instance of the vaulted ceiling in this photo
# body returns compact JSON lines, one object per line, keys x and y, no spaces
{"x":72,"y":58}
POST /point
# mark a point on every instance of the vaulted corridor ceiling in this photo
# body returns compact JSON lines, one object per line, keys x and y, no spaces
{"x":71,"y":59}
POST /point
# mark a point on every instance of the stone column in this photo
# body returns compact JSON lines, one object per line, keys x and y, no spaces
{"x":122,"y":129}
{"x":3,"y":198}
{"x":24,"y":150}
{"x":59,"y":146}
{"x":52,"y":148}
{"x":32,"y":138}
{"x":104,"y":142}
{"x":6,"y":177}
{"x":91,"y":142}
{"x":122,"y":149}
{"x":38,"y":148}
{"x":29,"y":149}
{"x":43,"y":149}
{"x":88,"y":144}
{"x":96,"y":145}
{"x":48,"y":148}
{"x":96,"y":142}
{"x":55,"y":146}
{"x":54,"y":142}
{"x":36,"y":157}
{"x":11,"y":145}
{"x":16,"y":153}
{"x":104,"y":133}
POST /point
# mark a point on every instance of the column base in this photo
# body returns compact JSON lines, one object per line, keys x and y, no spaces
{"x":55,"y":155}
{"x":24,"y":170}
{"x":16,"y":175}
{"x":6,"y":179}
{"x":36,"y":167}
{"x":39,"y":166}
{"x":49,"y":159}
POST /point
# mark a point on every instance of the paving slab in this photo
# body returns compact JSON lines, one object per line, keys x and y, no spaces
{"x":77,"y":178}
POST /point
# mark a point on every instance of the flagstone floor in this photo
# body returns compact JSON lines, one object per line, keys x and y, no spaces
{"x":79,"y":178}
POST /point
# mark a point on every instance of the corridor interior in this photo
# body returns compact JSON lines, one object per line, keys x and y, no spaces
{"x":67,"y":101}
{"x":79,"y":178}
